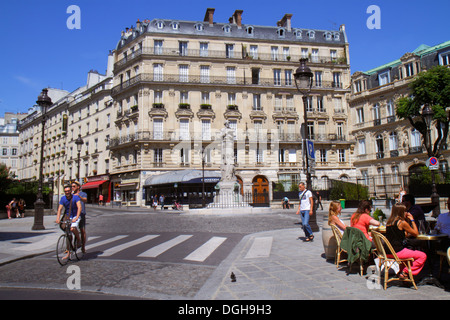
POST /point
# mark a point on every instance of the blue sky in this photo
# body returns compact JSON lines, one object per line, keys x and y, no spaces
{"x":38,"y":50}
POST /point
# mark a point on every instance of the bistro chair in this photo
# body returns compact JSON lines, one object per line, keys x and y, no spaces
{"x":442,"y":256}
{"x":338,"y":237}
{"x":389,"y":257}
{"x":355,"y":243}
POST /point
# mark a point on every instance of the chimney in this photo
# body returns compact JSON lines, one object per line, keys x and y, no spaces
{"x":237,"y":18}
{"x":138,"y":25}
{"x":209,"y":15}
{"x":286,"y":22}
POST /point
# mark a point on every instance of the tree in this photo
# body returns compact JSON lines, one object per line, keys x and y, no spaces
{"x":5,"y":177}
{"x":433,"y":88}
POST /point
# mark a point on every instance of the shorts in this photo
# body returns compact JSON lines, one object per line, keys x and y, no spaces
{"x":76,"y":223}
{"x":80,"y":223}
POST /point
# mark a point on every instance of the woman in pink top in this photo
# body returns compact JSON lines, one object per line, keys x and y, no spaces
{"x":361,"y":219}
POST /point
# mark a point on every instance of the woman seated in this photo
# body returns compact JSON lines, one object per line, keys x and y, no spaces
{"x":334,"y":216}
{"x":397,"y":230}
{"x":361,"y":219}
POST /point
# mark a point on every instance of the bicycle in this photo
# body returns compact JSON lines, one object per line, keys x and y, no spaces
{"x":177,"y":206}
{"x":66,"y":249}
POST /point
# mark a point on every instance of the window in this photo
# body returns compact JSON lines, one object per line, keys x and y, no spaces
{"x":184,"y":97}
{"x":376,"y":115}
{"x":184,"y":73}
{"x":231,"y":75}
{"x":315,"y":55}
{"x":415,"y":138}
{"x":318,"y":78}
{"x":288,"y":77}
{"x":204,"y":74}
{"x":341,"y":155}
{"x":323,"y":155}
{"x":360,"y":115}
{"x":286,"y":54}
{"x":274,"y":52}
{"x":199,"y":27}
{"x":311,"y":34}
{"x":158,"y":129}
{"x":409,"y":69}
{"x":229,"y":48}
{"x":227,"y":29}
{"x":206,"y":129}
{"x":184,"y":156}
{"x":257,"y":102}
{"x":337,"y":80}
{"x":362,"y":146}
{"x":250,"y":31}
{"x":158,"y":156}
{"x":310,"y":130}
{"x":184,"y":129}
{"x":277,"y":77}
{"x":232,"y":99}
{"x":379,"y":147}
{"x":333,"y":55}
{"x":281,"y":32}
{"x":384,"y":78}
{"x":175,"y":25}
{"x":340,"y":130}
{"x":444,"y":58}
{"x":254,"y":51}
{"x":182,"y":48}
{"x":320,"y":107}
{"x":203,"y":49}
{"x":158,"y":72}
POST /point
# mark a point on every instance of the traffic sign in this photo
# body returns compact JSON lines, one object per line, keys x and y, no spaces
{"x":433,"y":163}
{"x":310,"y":146}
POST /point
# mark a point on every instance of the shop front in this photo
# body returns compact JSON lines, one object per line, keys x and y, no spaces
{"x":126,"y":190}
{"x":97,"y":186}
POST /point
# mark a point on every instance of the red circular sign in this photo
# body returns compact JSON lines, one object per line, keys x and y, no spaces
{"x":433,"y":161}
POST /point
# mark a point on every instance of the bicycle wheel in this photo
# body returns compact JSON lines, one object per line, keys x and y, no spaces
{"x":62,"y":250}
{"x":75,"y":250}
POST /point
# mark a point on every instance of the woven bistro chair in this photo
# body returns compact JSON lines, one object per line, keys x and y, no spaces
{"x":443,"y":255}
{"x":338,"y":237}
{"x":389,"y":257}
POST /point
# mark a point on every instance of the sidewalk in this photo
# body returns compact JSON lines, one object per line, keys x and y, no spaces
{"x":293,"y":269}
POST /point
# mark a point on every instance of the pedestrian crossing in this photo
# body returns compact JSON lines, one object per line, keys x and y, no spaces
{"x":199,"y":248}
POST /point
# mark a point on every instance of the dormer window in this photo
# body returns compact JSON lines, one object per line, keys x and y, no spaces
{"x":337,"y":36}
{"x":159,"y":24}
{"x":227,"y":29}
{"x":250,"y":31}
{"x":327,"y":36}
{"x":311,"y":34}
{"x":281,"y":32}
{"x":298,"y":34}
{"x":175,"y":25}
{"x":199,"y":27}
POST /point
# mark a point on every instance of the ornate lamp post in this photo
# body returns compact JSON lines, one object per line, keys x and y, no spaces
{"x":427,"y":114}
{"x":303,"y":81}
{"x":44,"y":101}
{"x":79,"y":142}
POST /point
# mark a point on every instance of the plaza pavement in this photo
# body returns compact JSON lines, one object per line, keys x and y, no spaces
{"x":294,"y":270}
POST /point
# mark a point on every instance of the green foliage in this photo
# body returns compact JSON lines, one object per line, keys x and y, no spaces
{"x":348,"y":191}
{"x":378,"y":213}
{"x":5,"y":177}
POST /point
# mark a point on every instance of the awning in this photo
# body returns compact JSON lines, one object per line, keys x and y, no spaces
{"x":93,"y":184}
{"x":183,"y":176}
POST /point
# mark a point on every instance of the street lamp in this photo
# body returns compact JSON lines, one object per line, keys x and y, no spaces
{"x":427,"y":115}
{"x":79,"y":142}
{"x":303,"y":77}
{"x":303,"y":81}
{"x":44,"y":101}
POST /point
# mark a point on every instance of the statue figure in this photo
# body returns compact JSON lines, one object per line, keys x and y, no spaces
{"x":227,"y":168}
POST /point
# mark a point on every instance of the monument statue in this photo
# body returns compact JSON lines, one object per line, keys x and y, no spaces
{"x":228,"y":162}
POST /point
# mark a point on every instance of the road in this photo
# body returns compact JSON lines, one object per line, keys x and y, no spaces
{"x":143,"y":254}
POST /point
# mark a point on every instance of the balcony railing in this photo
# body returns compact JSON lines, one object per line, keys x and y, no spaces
{"x":197,"y":79}
{"x":223,"y":54}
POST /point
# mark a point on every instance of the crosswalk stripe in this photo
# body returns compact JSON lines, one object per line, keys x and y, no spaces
{"x":206,"y":249}
{"x":127,"y":245}
{"x":260,"y":248}
{"x":159,"y":249}
{"x":100,"y":243}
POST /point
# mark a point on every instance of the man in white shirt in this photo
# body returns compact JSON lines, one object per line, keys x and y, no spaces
{"x":305,"y":208}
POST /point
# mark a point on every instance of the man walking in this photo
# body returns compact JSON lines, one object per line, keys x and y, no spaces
{"x":83,"y":197}
{"x":305,"y":208}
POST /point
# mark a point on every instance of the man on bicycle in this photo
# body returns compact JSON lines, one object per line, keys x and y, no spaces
{"x":72,"y":205}
{"x":83,"y":197}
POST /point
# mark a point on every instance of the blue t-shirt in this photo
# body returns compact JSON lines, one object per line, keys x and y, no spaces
{"x":83,"y":205}
{"x":66,"y":203}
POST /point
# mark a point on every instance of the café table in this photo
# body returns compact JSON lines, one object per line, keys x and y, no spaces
{"x":429,"y":238}
{"x":380,"y":229}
